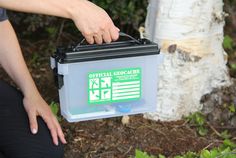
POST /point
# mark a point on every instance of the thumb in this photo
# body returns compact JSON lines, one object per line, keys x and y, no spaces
{"x":117,"y":29}
{"x":33,"y":122}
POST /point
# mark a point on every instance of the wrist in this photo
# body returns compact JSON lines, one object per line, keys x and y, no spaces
{"x":74,"y":8}
{"x":32,"y":94}
{"x":30,"y":91}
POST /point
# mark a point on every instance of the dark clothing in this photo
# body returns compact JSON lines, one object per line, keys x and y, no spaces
{"x":3,"y":14}
{"x":16,"y":140}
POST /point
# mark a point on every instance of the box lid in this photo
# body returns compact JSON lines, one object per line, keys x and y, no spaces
{"x":119,"y":49}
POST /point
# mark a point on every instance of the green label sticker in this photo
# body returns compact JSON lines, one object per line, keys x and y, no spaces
{"x":114,"y":86}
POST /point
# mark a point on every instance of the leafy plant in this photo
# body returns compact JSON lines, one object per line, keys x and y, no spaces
{"x":228,"y":144}
{"x":228,"y":42}
{"x":226,"y":150}
{"x":140,"y":154}
{"x":232,"y":108}
{"x":233,"y":66}
{"x":55,"y":109}
{"x":52,"y":31}
{"x":198,"y":120}
{"x":225,"y":134}
{"x":188,"y":155}
{"x":161,"y":156}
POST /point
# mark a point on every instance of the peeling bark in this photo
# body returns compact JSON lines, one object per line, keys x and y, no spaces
{"x":190,"y":34}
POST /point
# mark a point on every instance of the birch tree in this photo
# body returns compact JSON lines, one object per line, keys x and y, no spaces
{"x":190,"y":34}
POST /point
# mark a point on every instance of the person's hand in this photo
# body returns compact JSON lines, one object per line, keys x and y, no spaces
{"x":94,"y":23}
{"x":36,"y":106}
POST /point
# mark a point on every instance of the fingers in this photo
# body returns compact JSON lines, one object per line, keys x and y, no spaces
{"x":114,"y":32}
{"x":33,"y":122}
{"x":53,"y":126}
{"x":55,"y":130}
{"x":61,"y":136}
{"x":52,"y":129}
{"x":94,"y":23}
{"x":89,"y":38}
{"x":43,"y":110}
{"x":98,"y":39}
{"x":59,"y":132}
{"x":117,"y":29}
{"x":105,"y":35}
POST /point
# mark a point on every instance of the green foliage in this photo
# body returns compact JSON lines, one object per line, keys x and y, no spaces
{"x":209,"y":154}
{"x":226,"y":150}
{"x":225,"y":134}
{"x":228,"y":144}
{"x":161,"y":156}
{"x":52,"y":31}
{"x":140,"y":154}
{"x":233,"y":66}
{"x":228,"y":42}
{"x":188,"y":155}
{"x":198,"y":120}
{"x":232,"y":108}
{"x":55,"y":110}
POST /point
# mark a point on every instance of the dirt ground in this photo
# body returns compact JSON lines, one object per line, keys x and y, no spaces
{"x":108,"y":138}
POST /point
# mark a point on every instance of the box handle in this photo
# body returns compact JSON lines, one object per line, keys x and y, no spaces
{"x":130,"y":37}
{"x":121,"y":34}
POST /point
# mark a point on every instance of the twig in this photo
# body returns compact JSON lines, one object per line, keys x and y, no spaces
{"x":213,"y":129}
{"x":185,"y":122}
{"x":127,"y":151}
{"x":208,"y":146}
{"x":182,"y":125}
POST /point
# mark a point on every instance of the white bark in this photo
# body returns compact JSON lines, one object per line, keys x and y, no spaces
{"x":190,"y":34}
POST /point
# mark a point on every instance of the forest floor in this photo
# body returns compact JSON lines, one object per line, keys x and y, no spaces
{"x":108,"y":138}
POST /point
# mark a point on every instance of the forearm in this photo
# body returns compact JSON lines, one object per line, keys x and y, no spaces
{"x":61,"y":8}
{"x":13,"y":62}
{"x":92,"y":21}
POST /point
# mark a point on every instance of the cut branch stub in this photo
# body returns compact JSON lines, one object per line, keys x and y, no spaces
{"x":172,"y":48}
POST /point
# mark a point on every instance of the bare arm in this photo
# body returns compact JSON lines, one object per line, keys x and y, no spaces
{"x":13,"y":62}
{"x":92,"y":21}
{"x":50,"y":7}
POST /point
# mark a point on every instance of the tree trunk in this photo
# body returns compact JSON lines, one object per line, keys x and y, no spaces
{"x":190,"y":34}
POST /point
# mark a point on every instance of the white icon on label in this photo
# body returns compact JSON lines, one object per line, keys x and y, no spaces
{"x":94,"y":83}
{"x":106,"y":82}
{"x":106,"y":94}
{"x":94,"y":95}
